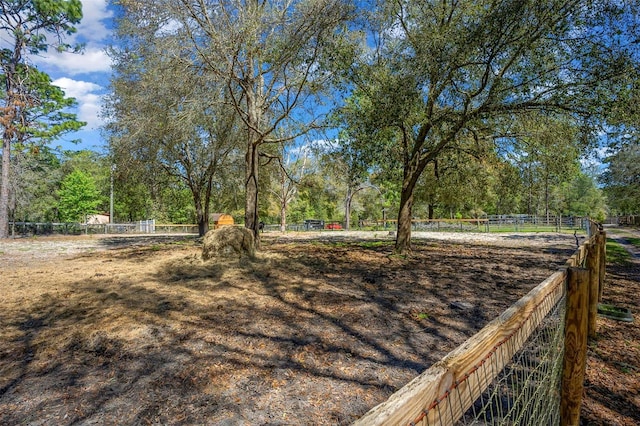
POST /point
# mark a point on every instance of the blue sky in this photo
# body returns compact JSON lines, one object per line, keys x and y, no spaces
{"x":84,"y":76}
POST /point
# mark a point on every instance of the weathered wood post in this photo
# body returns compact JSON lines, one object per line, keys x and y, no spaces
{"x":593,"y":265}
{"x":575,"y":346}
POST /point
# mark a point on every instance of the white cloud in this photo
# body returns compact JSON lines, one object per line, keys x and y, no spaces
{"x":92,"y":27}
{"x":92,"y":31}
{"x":170,"y":27}
{"x":92,"y":60}
{"x":88,"y":97}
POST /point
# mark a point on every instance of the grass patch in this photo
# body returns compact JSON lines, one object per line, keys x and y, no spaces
{"x":634,"y":240}
{"x":375,"y":244}
{"x":338,"y":244}
{"x":617,"y":254}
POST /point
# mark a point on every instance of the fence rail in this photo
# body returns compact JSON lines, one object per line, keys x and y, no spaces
{"x":633,"y":220}
{"x":140,"y":227}
{"x":524,"y":367}
{"x":515,"y":223}
{"x":490,"y":223}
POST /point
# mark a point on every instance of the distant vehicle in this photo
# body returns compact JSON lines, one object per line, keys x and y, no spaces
{"x":313,"y":224}
{"x":333,"y":225}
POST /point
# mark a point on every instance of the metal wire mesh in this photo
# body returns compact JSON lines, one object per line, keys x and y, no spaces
{"x":525,"y":392}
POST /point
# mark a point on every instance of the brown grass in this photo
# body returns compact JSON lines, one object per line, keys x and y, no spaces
{"x":307,"y":333}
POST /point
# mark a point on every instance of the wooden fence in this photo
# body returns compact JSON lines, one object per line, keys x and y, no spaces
{"x":516,"y":222}
{"x":452,"y":385}
{"x":633,"y":220}
{"x":141,"y":227}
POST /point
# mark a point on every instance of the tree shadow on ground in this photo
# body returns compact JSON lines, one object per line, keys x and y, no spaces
{"x":314,"y":334}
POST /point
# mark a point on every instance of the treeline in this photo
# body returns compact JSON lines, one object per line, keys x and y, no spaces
{"x":68,"y":186}
{"x":340,"y":110}
{"x":413,"y":109}
{"x":61,"y":187}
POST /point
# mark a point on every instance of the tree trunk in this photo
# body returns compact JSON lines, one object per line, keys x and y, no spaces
{"x":4,"y":188}
{"x":403,"y":238}
{"x":206,"y":206}
{"x":284,"y":198}
{"x":413,"y":169}
{"x":201,"y":218}
{"x":283,"y":215}
{"x":546,"y":198}
{"x":251,"y":187}
{"x":347,"y":209}
{"x":201,"y":197}
{"x":255,"y":100}
{"x":203,"y":223}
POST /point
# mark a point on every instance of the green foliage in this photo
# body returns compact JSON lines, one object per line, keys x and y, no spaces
{"x":133,"y":201}
{"x":92,"y":164}
{"x":191,"y":135}
{"x":508,"y":188}
{"x":634,"y":241}
{"x":38,"y":17}
{"x":622,"y":179}
{"x":78,"y":197}
{"x":35,"y":180}
{"x":581,"y":197}
{"x":46,"y":119}
{"x":178,"y":205}
{"x":447,"y":114}
{"x":315,"y":201}
{"x":273,"y":56}
{"x":456,"y":71}
{"x":547,"y":153}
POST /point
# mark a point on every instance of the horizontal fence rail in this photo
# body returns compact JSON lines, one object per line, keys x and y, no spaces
{"x":516,"y":223}
{"x":140,"y":227}
{"x":516,"y":369}
{"x":631,"y":220}
{"x":489,"y":223}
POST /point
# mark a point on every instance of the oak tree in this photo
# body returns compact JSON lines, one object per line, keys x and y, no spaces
{"x":275,"y":58}
{"x":165,"y":114}
{"x":441,"y":71}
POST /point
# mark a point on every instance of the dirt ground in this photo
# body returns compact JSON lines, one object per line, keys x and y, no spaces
{"x":612,"y":386}
{"x":317,"y":330}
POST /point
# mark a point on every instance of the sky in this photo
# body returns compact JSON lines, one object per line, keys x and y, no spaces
{"x":85,"y":76}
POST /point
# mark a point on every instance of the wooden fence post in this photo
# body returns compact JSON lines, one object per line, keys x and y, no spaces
{"x":593,"y":265}
{"x":575,"y":346}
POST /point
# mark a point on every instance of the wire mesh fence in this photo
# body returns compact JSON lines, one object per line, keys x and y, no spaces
{"x":492,"y":223}
{"x":517,"y":381}
{"x":527,"y":390}
{"x":525,"y":367}
{"x":140,"y":227}
{"x":487,"y":223}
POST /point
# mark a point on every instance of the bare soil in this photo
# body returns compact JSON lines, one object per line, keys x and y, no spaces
{"x":317,"y":330}
{"x":612,"y":385}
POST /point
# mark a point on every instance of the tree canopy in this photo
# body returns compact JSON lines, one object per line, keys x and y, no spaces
{"x":445,"y":71}
{"x":168,"y":114}
{"x":622,"y":179}
{"x":79,"y":197}
{"x":273,"y":56}
{"x":436,"y":108}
